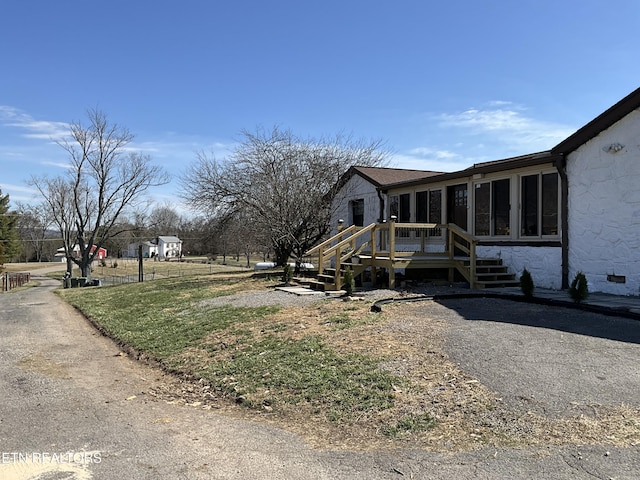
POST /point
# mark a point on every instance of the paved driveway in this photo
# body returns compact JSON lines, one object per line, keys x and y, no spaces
{"x":66,"y":389}
{"x":546,"y":359}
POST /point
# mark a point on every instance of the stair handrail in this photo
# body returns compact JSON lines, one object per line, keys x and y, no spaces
{"x":342,"y":233}
{"x":457,"y":231}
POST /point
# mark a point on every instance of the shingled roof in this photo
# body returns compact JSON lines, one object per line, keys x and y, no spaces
{"x":380,"y":177}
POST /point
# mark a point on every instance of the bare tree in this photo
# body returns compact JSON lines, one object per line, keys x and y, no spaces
{"x":34,"y":223}
{"x":164,"y":220}
{"x":103,"y":180}
{"x":284,"y":184}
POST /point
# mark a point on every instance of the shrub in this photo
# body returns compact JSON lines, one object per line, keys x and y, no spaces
{"x":579,"y":289}
{"x":526,"y":283}
{"x":348,"y":282}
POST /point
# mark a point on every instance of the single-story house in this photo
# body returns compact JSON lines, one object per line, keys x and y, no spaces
{"x":574,"y":208}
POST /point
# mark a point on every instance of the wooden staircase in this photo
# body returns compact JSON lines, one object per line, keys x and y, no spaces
{"x":326,"y":280}
{"x":491,"y":273}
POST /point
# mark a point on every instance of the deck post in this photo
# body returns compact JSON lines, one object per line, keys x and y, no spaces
{"x":472,"y":264}
{"x":392,"y":251}
{"x":374,"y":269}
{"x":451,"y":248}
{"x":336,"y":276}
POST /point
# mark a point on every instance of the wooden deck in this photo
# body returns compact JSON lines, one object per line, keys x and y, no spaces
{"x":388,"y":246}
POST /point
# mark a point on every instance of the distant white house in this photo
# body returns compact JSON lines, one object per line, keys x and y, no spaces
{"x":161,"y":247}
{"x":149,"y":249}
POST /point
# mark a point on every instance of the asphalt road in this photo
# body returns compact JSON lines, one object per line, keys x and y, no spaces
{"x":73,"y":408}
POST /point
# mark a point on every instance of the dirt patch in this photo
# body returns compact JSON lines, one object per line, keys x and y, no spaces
{"x":44,"y":366}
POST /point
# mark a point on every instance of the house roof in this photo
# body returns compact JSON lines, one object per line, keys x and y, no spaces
{"x":380,"y":176}
{"x":511,"y":163}
{"x":169,"y":238}
{"x":603,"y":121}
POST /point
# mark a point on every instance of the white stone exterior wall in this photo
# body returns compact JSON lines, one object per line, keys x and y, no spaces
{"x":604,"y":208}
{"x":544,"y":263}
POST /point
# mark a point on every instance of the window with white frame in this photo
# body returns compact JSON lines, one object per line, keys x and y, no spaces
{"x":492,"y":208}
{"x":357,"y":212}
{"x":539,"y":195}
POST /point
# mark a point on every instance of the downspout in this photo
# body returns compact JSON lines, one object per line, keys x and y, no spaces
{"x":381,"y":211}
{"x":561,"y":165}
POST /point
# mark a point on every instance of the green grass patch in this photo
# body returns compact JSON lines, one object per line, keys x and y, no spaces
{"x":161,"y":318}
{"x":304,"y":371}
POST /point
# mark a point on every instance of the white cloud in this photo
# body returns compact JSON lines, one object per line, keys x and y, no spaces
{"x":505,"y":124}
{"x":37,"y":129}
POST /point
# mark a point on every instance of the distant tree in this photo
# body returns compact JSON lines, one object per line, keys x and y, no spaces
{"x":9,"y":243}
{"x":103,"y":181}
{"x":164,"y":220}
{"x":34,"y":224}
{"x":285,"y":184}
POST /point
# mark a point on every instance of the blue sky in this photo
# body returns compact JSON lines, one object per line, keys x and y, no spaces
{"x":443,"y":84}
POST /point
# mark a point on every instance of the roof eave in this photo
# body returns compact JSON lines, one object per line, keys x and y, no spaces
{"x":508,"y":164}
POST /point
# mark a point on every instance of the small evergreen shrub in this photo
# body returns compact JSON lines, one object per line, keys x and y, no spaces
{"x":287,"y":274}
{"x":349,"y":282}
{"x":526,"y":283}
{"x":579,"y":289}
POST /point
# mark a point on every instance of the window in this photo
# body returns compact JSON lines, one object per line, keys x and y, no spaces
{"x":492,"y":208}
{"x":429,"y":208}
{"x":357,"y":212}
{"x":393,"y":206}
{"x":539,"y":204}
{"x":400,"y":206}
{"x":405,"y":208}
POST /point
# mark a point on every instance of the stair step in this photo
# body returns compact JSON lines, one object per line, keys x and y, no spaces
{"x":497,"y":283}
{"x":496,"y":276}
{"x":492,"y":269}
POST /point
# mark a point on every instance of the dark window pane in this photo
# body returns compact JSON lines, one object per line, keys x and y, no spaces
{"x":435,"y":210}
{"x":501,"y":207}
{"x":357,"y":212}
{"x":550,"y":204}
{"x":421,"y":207}
{"x":405,"y":208}
{"x":482,"y":212}
{"x":529,"y":205}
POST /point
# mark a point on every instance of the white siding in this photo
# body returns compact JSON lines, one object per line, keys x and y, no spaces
{"x":355,"y":188}
{"x":604,"y":209}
